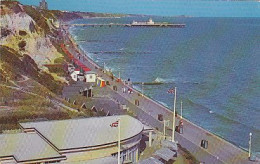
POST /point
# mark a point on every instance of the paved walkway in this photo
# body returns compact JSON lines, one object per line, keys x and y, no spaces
{"x":218,"y":151}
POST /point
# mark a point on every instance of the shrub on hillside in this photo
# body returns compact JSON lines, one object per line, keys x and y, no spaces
{"x":22,"y":33}
{"x":22,"y":45}
{"x":5,"y":32}
{"x":38,"y":18}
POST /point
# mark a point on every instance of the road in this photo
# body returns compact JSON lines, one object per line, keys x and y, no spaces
{"x":219,"y":151}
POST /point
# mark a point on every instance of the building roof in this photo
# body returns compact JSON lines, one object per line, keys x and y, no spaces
{"x":105,"y":160}
{"x":165,"y":154}
{"x":90,"y":72}
{"x":26,"y":147}
{"x":85,"y":132}
{"x":85,"y":69}
{"x":150,"y":160}
{"x":169,"y":144}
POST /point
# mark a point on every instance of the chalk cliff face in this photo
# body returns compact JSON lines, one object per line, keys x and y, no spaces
{"x":28,"y":41}
{"x":21,"y":33}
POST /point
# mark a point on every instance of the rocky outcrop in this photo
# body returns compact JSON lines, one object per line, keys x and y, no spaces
{"x":26,"y":30}
{"x":26,"y":44}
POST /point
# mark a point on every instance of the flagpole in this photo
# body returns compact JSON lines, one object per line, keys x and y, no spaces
{"x":181,"y":109}
{"x":142,"y":89}
{"x":250,"y":145}
{"x":173,"y":122}
{"x":164,"y":122}
{"x":118,"y":155}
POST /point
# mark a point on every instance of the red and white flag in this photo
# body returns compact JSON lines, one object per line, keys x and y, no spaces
{"x":114,"y":124}
{"x":171,"y":91}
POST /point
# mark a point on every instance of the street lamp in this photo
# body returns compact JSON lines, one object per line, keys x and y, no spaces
{"x":250,"y":142}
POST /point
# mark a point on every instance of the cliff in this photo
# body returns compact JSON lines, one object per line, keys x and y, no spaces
{"x":30,"y":38}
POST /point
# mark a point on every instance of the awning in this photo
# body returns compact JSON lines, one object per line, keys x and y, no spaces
{"x":150,"y":160}
{"x":165,"y":154}
{"x":169,"y":144}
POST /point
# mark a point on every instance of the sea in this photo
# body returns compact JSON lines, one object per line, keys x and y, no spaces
{"x":213,"y":62}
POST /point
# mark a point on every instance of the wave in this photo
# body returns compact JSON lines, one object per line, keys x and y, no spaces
{"x":174,"y":80}
{"x":161,"y":80}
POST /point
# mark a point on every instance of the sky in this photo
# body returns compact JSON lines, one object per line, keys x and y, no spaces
{"x":196,"y":8}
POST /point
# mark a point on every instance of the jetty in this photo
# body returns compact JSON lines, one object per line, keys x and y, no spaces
{"x":149,"y":23}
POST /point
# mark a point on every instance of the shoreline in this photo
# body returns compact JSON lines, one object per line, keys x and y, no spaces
{"x":213,"y":136}
{"x":154,"y":101}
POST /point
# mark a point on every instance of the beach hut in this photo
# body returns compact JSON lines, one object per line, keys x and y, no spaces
{"x":101,"y":82}
{"x":85,"y":69}
{"x":90,"y":76}
{"x":74,"y":74}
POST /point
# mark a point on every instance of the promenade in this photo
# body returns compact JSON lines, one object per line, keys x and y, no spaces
{"x":219,"y":151}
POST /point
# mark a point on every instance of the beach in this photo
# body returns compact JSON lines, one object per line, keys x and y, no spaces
{"x":218,"y":151}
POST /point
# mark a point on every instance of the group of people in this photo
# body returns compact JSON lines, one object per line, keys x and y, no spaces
{"x":129,"y":91}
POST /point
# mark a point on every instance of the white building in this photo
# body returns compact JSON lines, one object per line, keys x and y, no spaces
{"x":80,"y":140}
{"x":74,"y":74}
{"x":150,"y":22}
{"x":90,"y":77}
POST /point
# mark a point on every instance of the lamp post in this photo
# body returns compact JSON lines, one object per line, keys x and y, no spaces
{"x":118,"y":150}
{"x":250,"y":145}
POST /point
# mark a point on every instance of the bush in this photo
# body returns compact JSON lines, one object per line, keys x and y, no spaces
{"x":22,"y":33}
{"x":22,"y":45}
{"x":5,"y":32}
{"x":60,"y":60}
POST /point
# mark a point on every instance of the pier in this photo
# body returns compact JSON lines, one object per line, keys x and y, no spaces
{"x":131,"y":25}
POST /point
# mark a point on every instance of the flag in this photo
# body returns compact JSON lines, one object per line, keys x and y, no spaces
{"x":114,"y":124}
{"x":171,"y":91}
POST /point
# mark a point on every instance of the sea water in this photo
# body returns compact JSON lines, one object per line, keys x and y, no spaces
{"x":213,"y":62}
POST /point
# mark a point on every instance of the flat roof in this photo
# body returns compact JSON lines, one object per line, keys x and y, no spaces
{"x":26,"y":147}
{"x":150,"y":160}
{"x":165,"y":154}
{"x":86,"y":132}
{"x":105,"y":160}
